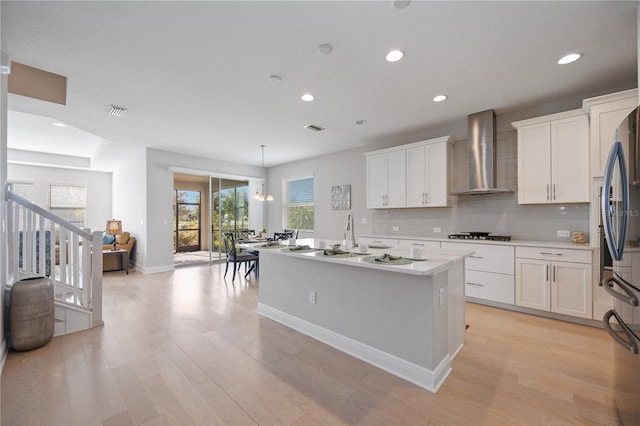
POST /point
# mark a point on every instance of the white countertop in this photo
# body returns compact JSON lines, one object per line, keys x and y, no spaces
{"x":437,"y":260}
{"x":523,"y":243}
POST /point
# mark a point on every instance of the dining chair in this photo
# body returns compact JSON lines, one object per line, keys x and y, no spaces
{"x":245,"y":234}
{"x":292,"y":232}
{"x":237,"y":258}
{"x":281,"y":236}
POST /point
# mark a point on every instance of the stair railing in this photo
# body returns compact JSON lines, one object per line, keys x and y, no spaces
{"x":43,"y":244}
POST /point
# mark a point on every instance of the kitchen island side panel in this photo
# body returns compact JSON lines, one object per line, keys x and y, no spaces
{"x":397,"y":313}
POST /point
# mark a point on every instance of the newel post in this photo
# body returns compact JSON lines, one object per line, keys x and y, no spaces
{"x":96,"y":279}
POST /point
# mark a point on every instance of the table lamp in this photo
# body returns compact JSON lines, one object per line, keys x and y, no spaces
{"x":114,"y":227}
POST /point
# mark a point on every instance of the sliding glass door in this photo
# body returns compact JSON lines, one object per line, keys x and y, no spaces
{"x":230,"y":208}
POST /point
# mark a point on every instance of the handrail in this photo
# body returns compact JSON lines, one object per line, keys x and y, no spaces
{"x":42,"y":212}
{"x":43,"y":244}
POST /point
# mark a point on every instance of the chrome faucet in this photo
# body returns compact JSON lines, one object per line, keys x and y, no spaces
{"x":349,"y":237}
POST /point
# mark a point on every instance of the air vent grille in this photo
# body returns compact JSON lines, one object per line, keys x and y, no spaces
{"x":117,"y":111}
{"x":314,"y":127}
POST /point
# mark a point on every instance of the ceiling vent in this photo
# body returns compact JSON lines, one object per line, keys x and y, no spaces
{"x":117,"y":111}
{"x":314,"y":127}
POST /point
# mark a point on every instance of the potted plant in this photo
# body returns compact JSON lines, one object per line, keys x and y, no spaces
{"x":263,"y":233}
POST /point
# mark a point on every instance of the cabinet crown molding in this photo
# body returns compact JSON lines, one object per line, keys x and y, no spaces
{"x":587,"y":104}
{"x":548,"y":118}
{"x":447,"y":139}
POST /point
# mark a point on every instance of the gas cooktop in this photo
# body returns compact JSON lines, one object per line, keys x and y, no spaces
{"x":479,"y":236}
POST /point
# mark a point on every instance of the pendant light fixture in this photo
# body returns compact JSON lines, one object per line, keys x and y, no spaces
{"x":259,"y":195}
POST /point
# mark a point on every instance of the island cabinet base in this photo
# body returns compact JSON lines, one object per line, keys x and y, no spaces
{"x":408,"y":325}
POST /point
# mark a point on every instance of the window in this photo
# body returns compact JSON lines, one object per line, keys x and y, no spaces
{"x":298,"y":204}
{"x":186,"y":234}
{"x":24,"y":189}
{"x":69,"y":202}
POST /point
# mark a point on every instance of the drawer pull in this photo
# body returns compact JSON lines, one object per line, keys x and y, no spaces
{"x":417,"y":244}
{"x":546,"y":253}
{"x":476,"y":257}
{"x":475,"y":284}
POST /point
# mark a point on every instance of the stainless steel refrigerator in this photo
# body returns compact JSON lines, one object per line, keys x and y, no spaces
{"x":621,"y":220}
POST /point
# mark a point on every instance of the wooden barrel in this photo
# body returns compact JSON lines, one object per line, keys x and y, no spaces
{"x":31,"y":313}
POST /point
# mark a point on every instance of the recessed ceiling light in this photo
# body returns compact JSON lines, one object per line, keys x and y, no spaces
{"x":361,"y":122}
{"x":439,"y":98}
{"x":307,"y":97}
{"x":59,"y":124}
{"x":401,"y":4}
{"x":394,"y":56}
{"x":325,"y":49}
{"x":567,"y":59}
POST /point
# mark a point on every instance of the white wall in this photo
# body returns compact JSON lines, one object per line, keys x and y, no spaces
{"x":98,"y":188}
{"x":158,"y":254}
{"x":499,"y":214}
{"x":129,"y":188}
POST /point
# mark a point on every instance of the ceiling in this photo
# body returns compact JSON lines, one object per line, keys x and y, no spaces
{"x":194,"y":76}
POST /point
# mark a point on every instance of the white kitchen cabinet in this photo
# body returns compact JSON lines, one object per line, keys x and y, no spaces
{"x":428,"y":177}
{"x":488,"y":271}
{"x":374,"y":242}
{"x":419,"y":243}
{"x":554,"y":280}
{"x":419,"y":171}
{"x":553,"y":159}
{"x":386,"y":174}
{"x":606,"y":113}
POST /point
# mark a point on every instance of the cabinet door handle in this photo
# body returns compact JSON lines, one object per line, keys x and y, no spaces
{"x":546,"y":271}
{"x":426,"y":198}
{"x":554,"y":273}
{"x":548,"y":253}
{"x":554,"y":191}
{"x":476,"y":257}
{"x":475,"y":284}
{"x":547,"y":191}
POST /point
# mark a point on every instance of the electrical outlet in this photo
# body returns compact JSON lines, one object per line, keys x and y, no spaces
{"x":365,"y":220}
{"x":312,"y":297}
{"x":564,"y":233}
{"x":437,"y":229}
{"x":396,"y":228}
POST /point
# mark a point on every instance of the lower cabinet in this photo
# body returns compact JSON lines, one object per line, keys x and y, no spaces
{"x":560,"y":286}
{"x":419,"y":243}
{"x":374,"y":242}
{"x":488,"y":272}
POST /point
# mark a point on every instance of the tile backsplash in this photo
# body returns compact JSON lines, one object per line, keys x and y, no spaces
{"x":499,"y":214}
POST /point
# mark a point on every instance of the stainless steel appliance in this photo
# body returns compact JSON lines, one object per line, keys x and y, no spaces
{"x":479,"y":236}
{"x":621,"y":221}
{"x":481,"y":152}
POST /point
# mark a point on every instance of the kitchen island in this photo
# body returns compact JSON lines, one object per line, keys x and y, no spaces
{"x":405,"y":319}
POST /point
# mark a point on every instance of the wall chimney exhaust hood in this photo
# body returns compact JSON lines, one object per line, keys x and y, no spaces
{"x":481,"y":149}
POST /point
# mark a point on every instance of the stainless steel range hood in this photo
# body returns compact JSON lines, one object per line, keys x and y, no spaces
{"x":481,"y":148}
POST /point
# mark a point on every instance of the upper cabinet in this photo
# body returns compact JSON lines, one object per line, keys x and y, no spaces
{"x":386,"y":187}
{"x":553,"y":158}
{"x":606,"y":113}
{"x":428,"y":176}
{"x":413,"y":175}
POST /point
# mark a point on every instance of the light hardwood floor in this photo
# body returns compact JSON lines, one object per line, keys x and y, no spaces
{"x":187,"y":347}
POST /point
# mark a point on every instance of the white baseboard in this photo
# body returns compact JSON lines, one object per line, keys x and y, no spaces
{"x":430,"y":380}
{"x":155,"y":269}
